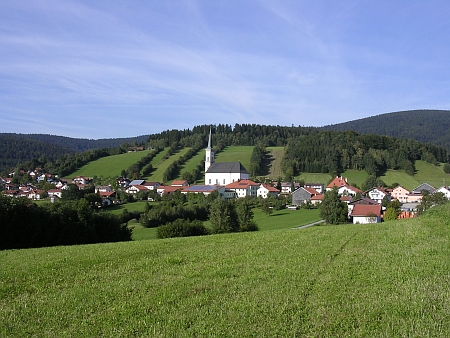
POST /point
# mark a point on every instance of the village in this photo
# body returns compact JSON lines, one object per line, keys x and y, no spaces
{"x":230,"y":180}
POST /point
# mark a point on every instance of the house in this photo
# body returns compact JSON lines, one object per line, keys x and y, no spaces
{"x":179,"y":183}
{"x":319,"y":187}
{"x":337,"y":182}
{"x":164,"y":189}
{"x":54,"y":192}
{"x":266,"y":190}
{"x":204,"y":189}
{"x":366,"y":214}
{"x":222,"y":173}
{"x":302,"y":195}
{"x":134,"y":189}
{"x":400,"y":194}
{"x":361,"y":201}
{"x":286,"y":187}
{"x":346,"y":190}
{"x":151,"y":185}
{"x":244,"y":188}
{"x":137,"y":182}
{"x":444,"y":190}
{"x":378,"y":194}
{"x":81,"y":180}
{"x":104,"y":188}
{"x":422,"y":187}
{"x":35,"y":194}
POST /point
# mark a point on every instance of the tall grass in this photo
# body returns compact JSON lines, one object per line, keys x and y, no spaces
{"x":378,"y":280}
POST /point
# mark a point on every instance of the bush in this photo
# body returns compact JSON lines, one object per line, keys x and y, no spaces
{"x":181,"y":228}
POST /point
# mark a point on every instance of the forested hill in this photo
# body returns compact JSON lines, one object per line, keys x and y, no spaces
{"x":79,"y":144}
{"x":430,"y":126}
{"x":16,"y":149}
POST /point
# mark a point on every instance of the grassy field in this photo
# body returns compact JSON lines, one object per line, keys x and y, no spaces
{"x":276,"y":154}
{"x":314,"y":178}
{"x":235,"y":154}
{"x":384,"y":280}
{"x":110,"y":166}
{"x":161,"y":166}
{"x":428,"y":173}
{"x":190,"y":165}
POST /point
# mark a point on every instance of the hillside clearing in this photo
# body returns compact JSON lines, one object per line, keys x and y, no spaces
{"x":110,"y":166}
{"x":384,"y":280}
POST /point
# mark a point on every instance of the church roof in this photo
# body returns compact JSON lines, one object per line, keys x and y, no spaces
{"x":227,"y":167}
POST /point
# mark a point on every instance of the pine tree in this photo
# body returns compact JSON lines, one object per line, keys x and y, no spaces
{"x":332,"y":210}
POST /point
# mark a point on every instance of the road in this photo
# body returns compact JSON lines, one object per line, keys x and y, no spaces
{"x":308,"y":225}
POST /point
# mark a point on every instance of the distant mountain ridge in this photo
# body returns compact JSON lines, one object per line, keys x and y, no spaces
{"x":429,"y":126}
{"x":80,"y":144}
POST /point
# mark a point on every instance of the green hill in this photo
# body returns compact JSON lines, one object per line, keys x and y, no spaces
{"x":430,"y":126}
{"x":383,"y":280}
{"x":110,"y":166}
{"x":163,"y":164}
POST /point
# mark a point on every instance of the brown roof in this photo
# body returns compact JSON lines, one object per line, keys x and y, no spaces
{"x":270,"y":188}
{"x":242,"y":184}
{"x":339,"y":181}
{"x":364,"y":210}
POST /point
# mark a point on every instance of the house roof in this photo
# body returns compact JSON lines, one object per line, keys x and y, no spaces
{"x":362,"y":210}
{"x":364,"y":200}
{"x":424,"y":186}
{"x":318,"y":197}
{"x":338,"y":181}
{"x":178,"y":183}
{"x":202,"y":188}
{"x":137,"y":182}
{"x":170,"y":189}
{"x":227,"y":167}
{"x":106,"y":193}
{"x":311,"y":191}
{"x":242,"y":184}
{"x":269,"y":187}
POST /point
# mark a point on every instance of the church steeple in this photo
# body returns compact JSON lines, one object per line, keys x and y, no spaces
{"x":209,"y":158}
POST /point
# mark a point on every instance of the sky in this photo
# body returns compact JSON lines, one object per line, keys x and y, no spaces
{"x":108,"y":69}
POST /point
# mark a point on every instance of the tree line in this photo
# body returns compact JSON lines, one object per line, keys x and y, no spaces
{"x":335,"y":152}
{"x":26,"y":225}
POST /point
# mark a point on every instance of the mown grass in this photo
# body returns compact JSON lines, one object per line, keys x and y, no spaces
{"x":163,"y":164}
{"x":400,"y":177}
{"x":235,"y":154}
{"x":110,"y":166}
{"x":384,"y":280}
{"x":192,"y":164}
{"x":314,"y":178}
{"x":428,"y":173}
{"x":355,"y":176}
{"x":276,"y":155}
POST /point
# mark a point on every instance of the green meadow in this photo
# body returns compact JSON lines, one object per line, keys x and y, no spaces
{"x":110,"y":166}
{"x":235,"y":154}
{"x":162,"y":164}
{"x":380,"y":280}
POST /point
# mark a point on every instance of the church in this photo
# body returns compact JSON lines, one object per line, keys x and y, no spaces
{"x":222,"y":173}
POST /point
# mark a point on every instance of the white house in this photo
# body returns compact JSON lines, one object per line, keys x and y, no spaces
{"x":445,"y":191}
{"x":266,"y":190}
{"x":365,"y":214}
{"x":243,"y":188}
{"x":377,"y":194}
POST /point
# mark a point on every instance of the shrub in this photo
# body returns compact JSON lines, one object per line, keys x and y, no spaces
{"x":181,"y":228}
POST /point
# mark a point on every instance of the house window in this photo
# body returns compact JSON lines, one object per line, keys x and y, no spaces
{"x":223,"y":181}
{"x":217,"y":181}
{"x":209,"y":181}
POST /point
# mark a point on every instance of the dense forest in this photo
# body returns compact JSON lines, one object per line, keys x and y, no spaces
{"x":334,"y":152}
{"x":16,"y":150}
{"x":429,"y":126}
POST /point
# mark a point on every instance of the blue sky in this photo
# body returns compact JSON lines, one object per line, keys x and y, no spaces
{"x":103,"y":69}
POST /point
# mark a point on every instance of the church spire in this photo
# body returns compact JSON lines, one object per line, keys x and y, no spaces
{"x":209,"y":156}
{"x":209,"y":140}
